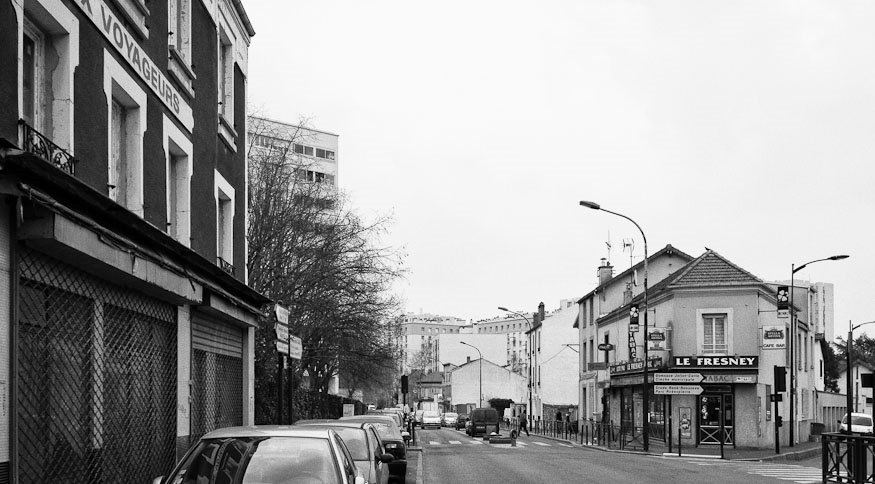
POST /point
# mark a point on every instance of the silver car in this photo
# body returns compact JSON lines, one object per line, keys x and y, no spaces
{"x":365,"y":447}
{"x":267,"y":454}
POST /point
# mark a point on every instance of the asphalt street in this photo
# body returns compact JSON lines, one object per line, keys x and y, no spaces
{"x":450,"y":456}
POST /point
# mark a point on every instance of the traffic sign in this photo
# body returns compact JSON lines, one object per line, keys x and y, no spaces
{"x":296,"y":349}
{"x":282,"y":347}
{"x":282,"y":332}
{"x":677,"y":389}
{"x":606,"y":347}
{"x":678,"y":377}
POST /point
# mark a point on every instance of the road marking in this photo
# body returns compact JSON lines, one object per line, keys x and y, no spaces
{"x":477,"y":442}
{"x":541,"y":443}
{"x":566,"y":445}
{"x":434,"y":442}
{"x":525,"y":444}
{"x":455,"y":442}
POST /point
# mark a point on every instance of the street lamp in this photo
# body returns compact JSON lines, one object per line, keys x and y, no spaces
{"x":528,"y":355}
{"x":646,"y":399}
{"x":793,"y":271}
{"x":479,"y":397}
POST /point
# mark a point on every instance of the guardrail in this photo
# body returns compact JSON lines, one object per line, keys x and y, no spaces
{"x":848,"y":458}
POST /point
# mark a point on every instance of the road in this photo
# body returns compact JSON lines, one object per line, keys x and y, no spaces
{"x":450,"y":456}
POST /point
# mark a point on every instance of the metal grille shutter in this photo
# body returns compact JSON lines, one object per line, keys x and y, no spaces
{"x":214,"y":337}
{"x":216,"y":375}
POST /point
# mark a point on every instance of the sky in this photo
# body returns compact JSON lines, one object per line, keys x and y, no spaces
{"x":747,"y":127}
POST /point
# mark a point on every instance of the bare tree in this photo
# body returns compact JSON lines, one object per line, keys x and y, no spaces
{"x":311,"y":251}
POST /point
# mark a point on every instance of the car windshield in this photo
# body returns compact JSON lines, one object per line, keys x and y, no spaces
{"x":432,"y":414}
{"x":454,"y":415}
{"x":860,"y":420}
{"x":355,"y":441}
{"x":263,"y":460}
{"x":385,"y":428}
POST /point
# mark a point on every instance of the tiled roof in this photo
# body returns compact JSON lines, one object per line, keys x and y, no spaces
{"x":712,"y":269}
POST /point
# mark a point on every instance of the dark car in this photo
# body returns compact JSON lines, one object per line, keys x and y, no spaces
{"x":484,"y":421}
{"x":392,"y":439}
{"x":364,"y":446}
{"x":460,"y":421}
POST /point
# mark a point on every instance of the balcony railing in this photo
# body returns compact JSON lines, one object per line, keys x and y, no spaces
{"x":38,"y":144}
{"x":225,"y":265}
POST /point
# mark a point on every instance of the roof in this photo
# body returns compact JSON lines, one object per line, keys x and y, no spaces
{"x":667,"y":250}
{"x":267,"y":431}
{"x":708,"y":270}
{"x":421,"y":377}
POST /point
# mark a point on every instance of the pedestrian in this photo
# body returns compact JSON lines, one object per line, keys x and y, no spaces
{"x":559,"y":416}
{"x":524,"y":424}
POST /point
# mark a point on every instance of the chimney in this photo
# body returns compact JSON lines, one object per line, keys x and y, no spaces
{"x":541,"y":311}
{"x":606,"y":272}
{"x":469,"y":360}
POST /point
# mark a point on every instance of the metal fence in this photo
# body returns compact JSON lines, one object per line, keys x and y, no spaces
{"x":848,"y":458}
{"x":96,"y":378}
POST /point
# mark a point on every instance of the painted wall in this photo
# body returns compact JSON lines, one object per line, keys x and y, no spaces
{"x":558,"y":362}
{"x":498,"y":382}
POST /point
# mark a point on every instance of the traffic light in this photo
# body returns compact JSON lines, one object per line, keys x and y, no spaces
{"x":779,"y":421}
{"x":780,"y":378}
{"x":403,"y":383}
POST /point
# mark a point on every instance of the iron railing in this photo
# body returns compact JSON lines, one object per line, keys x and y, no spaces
{"x":39,"y":144}
{"x":225,"y":265}
{"x":848,"y":458}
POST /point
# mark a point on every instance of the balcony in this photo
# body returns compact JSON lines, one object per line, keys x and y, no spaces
{"x":225,"y":265}
{"x":38,"y":144}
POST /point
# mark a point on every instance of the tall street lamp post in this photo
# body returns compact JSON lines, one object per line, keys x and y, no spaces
{"x":848,"y":375}
{"x":646,"y":399}
{"x":528,"y":356}
{"x":793,"y":271}
{"x":480,"y":396}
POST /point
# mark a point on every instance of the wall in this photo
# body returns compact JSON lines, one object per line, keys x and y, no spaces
{"x":497,"y":383}
{"x":558,"y":362}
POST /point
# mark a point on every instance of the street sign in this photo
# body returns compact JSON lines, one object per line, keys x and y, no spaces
{"x":282,"y":347}
{"x":678,"y":377}
{"x":282,"y":314}
{"x":606,"y":347}
{"x":296,"y":349}
{"x":677,"y":389}
{"x":282,"y":332}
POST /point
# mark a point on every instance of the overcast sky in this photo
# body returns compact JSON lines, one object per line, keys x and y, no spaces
{"x":746,"y":127}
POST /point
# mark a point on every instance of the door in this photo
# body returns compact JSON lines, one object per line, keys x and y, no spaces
{"x":714,"y":406}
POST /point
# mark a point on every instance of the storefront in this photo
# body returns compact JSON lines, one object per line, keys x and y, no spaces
{"x":705,"y":394}
{"x":627,"y":398}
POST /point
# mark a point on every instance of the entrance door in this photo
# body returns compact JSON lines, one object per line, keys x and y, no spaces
{"x":713,"y":406}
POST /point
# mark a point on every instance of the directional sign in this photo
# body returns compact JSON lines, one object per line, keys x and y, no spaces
{"x":296,"y":349}
{"x":282,"y":347}
{"x":282,"y":332}
{"x":678,"y":378}
{"x":606,"y":347}
{"x":677,"y":389}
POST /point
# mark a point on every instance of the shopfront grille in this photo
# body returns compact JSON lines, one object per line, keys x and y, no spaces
{"x":96,"y":378}
{"x":217,"y":376}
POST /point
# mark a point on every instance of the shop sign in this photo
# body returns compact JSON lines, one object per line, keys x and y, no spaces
{"x":773,"y":337}
{"x":634,"y":366}
{"x":589,"y":375}
{"x":597,"y":365}
{"x":729,"y":378}
{"x":716,"y":361}
{"x":657,"y":339}
{"x":128,"y":48}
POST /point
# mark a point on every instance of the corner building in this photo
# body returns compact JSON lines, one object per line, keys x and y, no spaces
{"x":124,"y":309}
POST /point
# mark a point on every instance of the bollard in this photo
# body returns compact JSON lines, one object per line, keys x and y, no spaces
{"x":679,"y":441}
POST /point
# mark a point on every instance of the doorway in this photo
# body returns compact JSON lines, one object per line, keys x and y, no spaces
{"x":715,"y":404}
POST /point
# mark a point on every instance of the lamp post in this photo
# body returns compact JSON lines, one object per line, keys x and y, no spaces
{"x":480,"y":396}
{"x":528,"y":356}
{"x":849,"y":381}
{"x":646,"y":399}
{"x":793,"y":271}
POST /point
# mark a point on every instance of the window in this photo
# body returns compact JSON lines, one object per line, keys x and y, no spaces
{"x":179,"y":43}
{"x":177,"y":149}
{"x":226,"y":88}
{"x":49,"y":55}
{"x":224,"y":194}
{"x":715,"y":333}
{"x":127,"y":119}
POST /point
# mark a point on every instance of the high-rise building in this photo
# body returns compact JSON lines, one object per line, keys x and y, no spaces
{"x":313,"y":153}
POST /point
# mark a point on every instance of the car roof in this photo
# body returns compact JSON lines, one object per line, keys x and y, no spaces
{"x":369,"y":418}
{"x":334,"y":423}
{"x":268,"y":431}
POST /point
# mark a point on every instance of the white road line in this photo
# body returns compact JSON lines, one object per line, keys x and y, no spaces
{"x":569,"y":445}
{"x":455,"y":442}
{"x":476,"y":442}
{"x":433,"y":442}
{"x":541,"y":443}
{"x":525,"y":444}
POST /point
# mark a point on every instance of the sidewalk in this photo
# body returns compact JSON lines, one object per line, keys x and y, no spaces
{"x":802,"y":450}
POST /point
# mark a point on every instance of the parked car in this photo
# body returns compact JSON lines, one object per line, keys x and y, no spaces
{"x":450,"y":419}
{"x":393,"y":441}
{"x":365,"y":447}
{"x":267,"y":454}
{"x":860,"y":423}
{"x":484,"y":421}
{"x":461,"y":420}
{"x":431,"y":419}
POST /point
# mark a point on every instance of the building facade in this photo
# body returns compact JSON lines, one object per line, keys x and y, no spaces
{"x":420,"y":339}
{"x":313,"y":153}
{"x":715,"y":330}
{"x":495,"y":381}
{"x":554,"y":359}
{"x":125,"y":309}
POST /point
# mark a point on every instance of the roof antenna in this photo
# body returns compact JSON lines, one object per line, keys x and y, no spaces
{"x":608,"y":243}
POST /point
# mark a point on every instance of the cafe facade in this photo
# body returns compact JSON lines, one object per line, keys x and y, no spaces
{"x":715,"y":338}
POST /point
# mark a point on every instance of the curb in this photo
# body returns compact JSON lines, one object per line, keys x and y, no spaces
{"x":800,"y":455}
